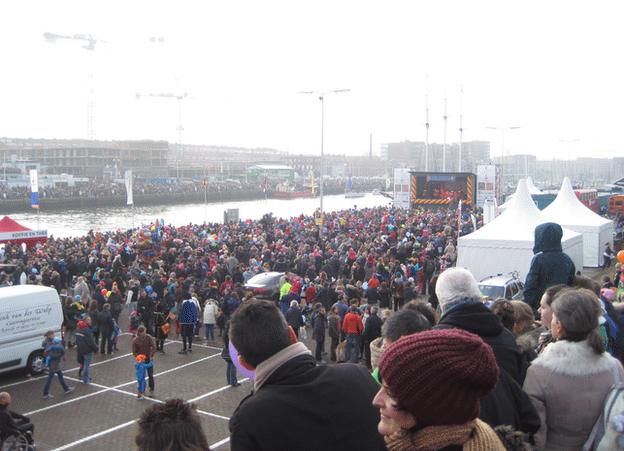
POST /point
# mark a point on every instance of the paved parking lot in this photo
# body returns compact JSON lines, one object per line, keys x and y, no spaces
{"x":103,"y":414}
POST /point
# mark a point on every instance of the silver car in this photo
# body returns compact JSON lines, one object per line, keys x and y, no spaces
{"x":505,"y":286}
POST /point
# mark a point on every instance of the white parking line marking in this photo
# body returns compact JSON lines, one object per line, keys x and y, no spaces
{"x":214,"y":391}
{"x":219,"y":443}
{"x":88,"y":395}
{"x":96,"y":435}
{"x":112,"y":359}
{"x":133,"y":395}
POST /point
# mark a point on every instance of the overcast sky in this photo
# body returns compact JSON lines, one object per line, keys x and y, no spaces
{"x":552,"y":67}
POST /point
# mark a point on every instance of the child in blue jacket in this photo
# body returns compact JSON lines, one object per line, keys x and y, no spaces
{"x":141,"y":368}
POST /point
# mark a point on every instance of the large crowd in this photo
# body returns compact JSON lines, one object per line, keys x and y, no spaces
{"x":428,"y":364}
{"x":99,"y":188}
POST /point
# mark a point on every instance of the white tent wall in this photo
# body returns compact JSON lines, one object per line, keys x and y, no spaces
{"x":593,"y":242}
{"x":501,"y":257}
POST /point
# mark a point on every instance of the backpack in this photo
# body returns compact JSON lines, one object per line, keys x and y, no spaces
{"x":604,"y":435}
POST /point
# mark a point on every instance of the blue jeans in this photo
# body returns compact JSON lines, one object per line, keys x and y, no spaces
{"x":46,"y":387}
{"x":231,"y":373}
{"x":352,"y":353}
{"x":85,"y":367}
{"x":209,"y":331}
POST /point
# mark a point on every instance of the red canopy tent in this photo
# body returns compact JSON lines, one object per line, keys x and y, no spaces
{"x":13,"y":232}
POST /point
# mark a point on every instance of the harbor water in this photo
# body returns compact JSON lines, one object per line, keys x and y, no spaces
{"x":79,"y":222}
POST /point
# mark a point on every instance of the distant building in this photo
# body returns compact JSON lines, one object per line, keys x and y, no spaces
{"x":92,"y":159}
{"x":412,"y":154}
{"x":272,"y":171}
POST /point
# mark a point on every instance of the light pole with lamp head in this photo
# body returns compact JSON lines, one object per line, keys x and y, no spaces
{"x":321,"y":95}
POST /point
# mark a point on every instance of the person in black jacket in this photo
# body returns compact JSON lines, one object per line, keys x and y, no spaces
{"x":85,"y":344}
{"x":462,"y":308}
{"x":372,"y":330}
{"x":12,"y":423}
{"x":145,"y":309}
{"x":460,"y":301}
{"x":105,"y":326}
{"x":293,"y":317}
{"x":549,"y":266}
{"x":332,"y":403}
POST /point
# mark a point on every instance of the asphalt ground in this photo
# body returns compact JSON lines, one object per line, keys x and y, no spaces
{"x":103,"y":415}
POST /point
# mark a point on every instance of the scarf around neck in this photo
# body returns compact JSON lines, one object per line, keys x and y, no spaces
{"x":472,"y":436}
{"x":265,"y":369}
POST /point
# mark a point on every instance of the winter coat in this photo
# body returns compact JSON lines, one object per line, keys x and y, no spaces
{"x":145,"y":308}
{"x":323,"y":399}
{"x":319,"y":326}
{"x":568,"y":383}
{"x":376,"y":349}
{"x":144,"y":345}
{"x":141,"y":368}
{"x":549,"y":266}
{"x":105,"y":323}
{"x":352,"y":324}
{"x":372,"y":328}
{"x":293,"y":318}
{"x":55,"y":354}
{"x":508,"y":404}
{"x":334,"y":326}
{"x":188,"y":312}
{"x":476,"y":318}
{"x":210,"y":313}
{"x":85,"y":343}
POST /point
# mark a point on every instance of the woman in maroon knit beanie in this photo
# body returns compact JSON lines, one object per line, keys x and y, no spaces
{"x":431,"y":386}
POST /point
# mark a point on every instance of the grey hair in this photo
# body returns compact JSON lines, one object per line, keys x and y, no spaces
{"x":294,"y":303}
{"x":456,"y":285}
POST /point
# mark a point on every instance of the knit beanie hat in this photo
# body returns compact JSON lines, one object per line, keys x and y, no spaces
{"x":439,"y":376}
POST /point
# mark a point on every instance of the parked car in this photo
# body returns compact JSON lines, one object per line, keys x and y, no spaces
{"x":265,"y":285}
{"x":506,"y":286}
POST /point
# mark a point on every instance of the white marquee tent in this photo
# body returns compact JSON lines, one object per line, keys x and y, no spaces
{"x":568,"y":211}
{"x":532,"y":188}
{"x":506,"y":244}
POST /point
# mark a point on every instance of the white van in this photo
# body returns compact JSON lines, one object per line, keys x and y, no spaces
{"x":27,"y":312}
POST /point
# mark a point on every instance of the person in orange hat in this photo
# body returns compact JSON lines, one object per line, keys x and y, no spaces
{"x":141,"y":365}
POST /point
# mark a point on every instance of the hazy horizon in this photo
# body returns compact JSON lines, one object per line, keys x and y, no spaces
{"x":551,"y":68}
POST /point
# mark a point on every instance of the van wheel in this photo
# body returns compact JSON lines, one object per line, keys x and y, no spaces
{"x":35,"y":363}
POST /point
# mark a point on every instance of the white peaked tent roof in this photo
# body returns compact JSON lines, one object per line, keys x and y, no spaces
{"x":567,"y":209}
{"x":532,"y":188}
{"x":506,"y":243}
{"x":518,"y":221}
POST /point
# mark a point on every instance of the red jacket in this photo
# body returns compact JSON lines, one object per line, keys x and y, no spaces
{"x":352,"y":324}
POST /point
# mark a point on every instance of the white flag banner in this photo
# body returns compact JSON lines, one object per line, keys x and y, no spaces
{"x":34,"y":189}
{"x":128,"y":180}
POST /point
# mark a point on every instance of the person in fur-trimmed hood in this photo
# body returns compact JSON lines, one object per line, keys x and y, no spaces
{"x":569,"y":380}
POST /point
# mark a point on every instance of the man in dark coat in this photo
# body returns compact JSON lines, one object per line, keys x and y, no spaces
{"x":462,"y":308}
{"x":550,"y":265}
{"x":293,"y":317}
{"x":290,"y":390}
{"x":372,"y":330}
{"x":12,"y":423}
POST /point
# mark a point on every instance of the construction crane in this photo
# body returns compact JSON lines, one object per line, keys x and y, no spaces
{"x":180,"y":129}
{"x":90,"y":42}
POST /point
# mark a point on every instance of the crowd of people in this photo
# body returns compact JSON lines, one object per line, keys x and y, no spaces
{"x":98,"y":188}
{"x":429,"y":364}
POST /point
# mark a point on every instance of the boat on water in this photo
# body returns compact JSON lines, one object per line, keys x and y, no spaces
{"x":286,"y":190}
{"x":349,"y":193}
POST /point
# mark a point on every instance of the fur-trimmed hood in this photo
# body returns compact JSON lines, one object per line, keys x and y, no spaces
{"x":574,"y":359}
